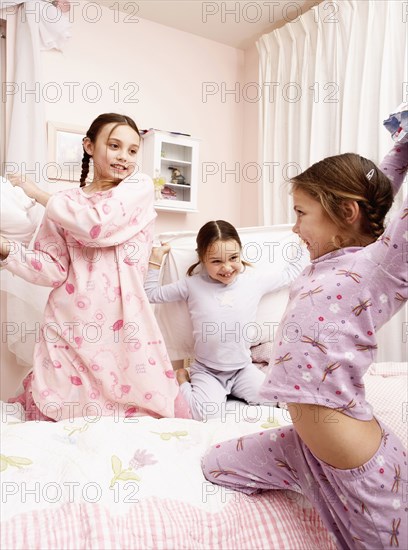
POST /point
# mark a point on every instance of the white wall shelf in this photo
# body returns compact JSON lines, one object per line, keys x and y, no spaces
{"x":162,"y":150}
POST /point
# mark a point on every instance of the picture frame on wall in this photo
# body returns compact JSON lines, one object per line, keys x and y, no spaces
{"x":65,"y":151}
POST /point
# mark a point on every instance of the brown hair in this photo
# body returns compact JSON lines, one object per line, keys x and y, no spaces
{"x":95,"y":128}
{"x":210,"y":233}
{"x":335,"y":180}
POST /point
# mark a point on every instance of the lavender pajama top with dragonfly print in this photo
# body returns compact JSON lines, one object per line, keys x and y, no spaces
{"x":354,"y":291}
{"x":100,"y":350}
{"x":322,"y":360}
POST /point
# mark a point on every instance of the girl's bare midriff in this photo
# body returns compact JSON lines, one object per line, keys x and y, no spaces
{"x":337,"y":439}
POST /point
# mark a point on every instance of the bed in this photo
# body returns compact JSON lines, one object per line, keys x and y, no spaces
{"x":136,"y":483}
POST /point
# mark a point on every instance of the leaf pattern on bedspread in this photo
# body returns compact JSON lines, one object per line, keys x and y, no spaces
{"x":166,"y":436}
{"x":16,"y":461}
{"x":76,"y":429}
{"x":122,"y":474}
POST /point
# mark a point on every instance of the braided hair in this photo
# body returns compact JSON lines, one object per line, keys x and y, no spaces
{"x":92,"y":134}
{"x":348,"y":177}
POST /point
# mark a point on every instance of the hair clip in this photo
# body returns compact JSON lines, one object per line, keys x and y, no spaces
{"x":370,"y":174}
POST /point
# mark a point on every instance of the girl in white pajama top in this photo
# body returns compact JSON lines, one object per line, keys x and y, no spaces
{"x":222,"y":300}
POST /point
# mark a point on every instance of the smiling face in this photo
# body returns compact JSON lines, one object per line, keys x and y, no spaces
{"x":313,"y":225}
{"x":223,"y":261}
{"x":114,"y":152}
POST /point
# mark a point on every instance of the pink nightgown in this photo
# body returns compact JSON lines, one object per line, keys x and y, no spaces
{"x":100,"y":350}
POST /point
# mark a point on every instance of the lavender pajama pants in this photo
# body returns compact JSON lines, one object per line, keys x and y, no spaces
{"x":365,"y":507}
{"x":207,"y":393}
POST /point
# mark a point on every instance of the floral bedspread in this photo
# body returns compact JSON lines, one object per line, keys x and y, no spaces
{"x":137,"y":483}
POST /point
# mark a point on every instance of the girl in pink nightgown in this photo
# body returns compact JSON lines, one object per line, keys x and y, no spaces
{"x":100,"y":351}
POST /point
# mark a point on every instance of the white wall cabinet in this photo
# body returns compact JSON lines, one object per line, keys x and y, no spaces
{"x":162,"y":153}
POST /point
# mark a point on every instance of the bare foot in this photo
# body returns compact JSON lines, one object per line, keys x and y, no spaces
{"x":182,"y":376}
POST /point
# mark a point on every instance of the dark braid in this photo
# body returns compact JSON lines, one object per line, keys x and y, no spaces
{"x":377,"y":200}
{"x":85,"y":168}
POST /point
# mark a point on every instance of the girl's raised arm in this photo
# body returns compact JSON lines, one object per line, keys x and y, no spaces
{"x":30,"y":188}
{"x":391,"y":249}
{"x":126,"y":210}
{"x":173,"y":292}
{"x":46,"y":265}
{"x":395,"y":164}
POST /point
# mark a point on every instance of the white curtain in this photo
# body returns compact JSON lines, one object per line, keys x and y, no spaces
{"x":329,"y":79}
{"x":333,"y":76}
{"x":32,"y":26}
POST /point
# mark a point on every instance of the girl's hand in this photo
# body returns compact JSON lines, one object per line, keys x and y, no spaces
{"x":4,"y":247}
{"x":27,"y":185}
{"x":158,"y":253}
{"x":63,"y":5}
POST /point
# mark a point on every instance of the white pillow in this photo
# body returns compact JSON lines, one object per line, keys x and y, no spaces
{"x":386,"y":387}
{"x":19,"y":215}
{"x":265,"y":247}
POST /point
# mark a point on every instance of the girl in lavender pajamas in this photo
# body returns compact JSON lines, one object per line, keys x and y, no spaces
{"x":100,"y":351}
{"x":351,"y":467}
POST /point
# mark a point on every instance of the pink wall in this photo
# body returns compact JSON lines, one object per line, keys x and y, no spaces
{"x":169,"y":68}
